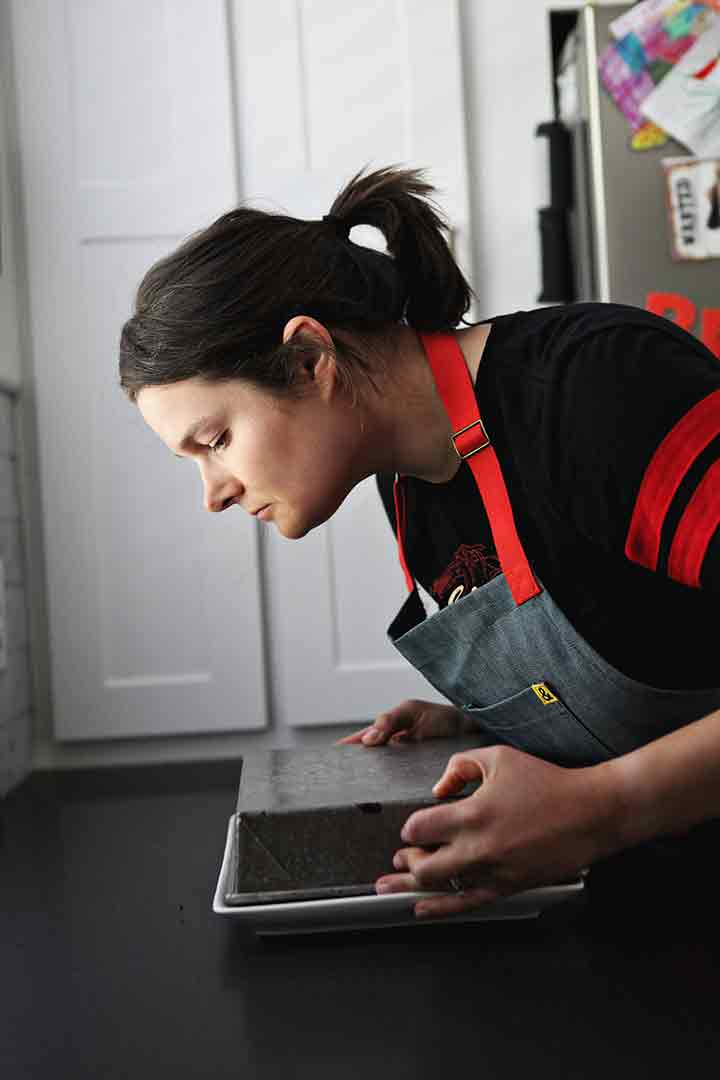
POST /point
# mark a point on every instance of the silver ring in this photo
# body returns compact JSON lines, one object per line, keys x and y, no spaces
{"x":456,"y":885}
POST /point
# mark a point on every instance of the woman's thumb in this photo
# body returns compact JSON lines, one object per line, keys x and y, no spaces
{"x":460,"y":769}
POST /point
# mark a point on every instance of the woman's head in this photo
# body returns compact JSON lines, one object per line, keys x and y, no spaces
{"x":246,"y":310}
{"x":299,"y":455}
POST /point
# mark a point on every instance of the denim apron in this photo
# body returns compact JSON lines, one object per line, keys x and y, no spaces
{"x":504,"y":653}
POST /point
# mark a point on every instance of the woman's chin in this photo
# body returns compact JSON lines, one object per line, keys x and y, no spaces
{"x":296,"y":528}
{"x":292,"y":528}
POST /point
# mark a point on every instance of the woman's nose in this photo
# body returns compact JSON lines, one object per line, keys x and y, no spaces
{"x":215,"y":505}
{"x":219,"y":496}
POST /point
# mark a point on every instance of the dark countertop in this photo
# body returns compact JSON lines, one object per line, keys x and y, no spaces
{"x":113,"y":965}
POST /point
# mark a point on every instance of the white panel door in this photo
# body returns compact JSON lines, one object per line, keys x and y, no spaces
{"x":127,"y":146}
{"x":323,"y":89}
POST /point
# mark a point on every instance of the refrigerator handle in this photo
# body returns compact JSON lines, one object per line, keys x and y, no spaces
{"x":558,"y":284}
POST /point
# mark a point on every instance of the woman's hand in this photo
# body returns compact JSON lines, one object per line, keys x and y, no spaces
{"x":529,"y":823}
{"x":414,"y":721}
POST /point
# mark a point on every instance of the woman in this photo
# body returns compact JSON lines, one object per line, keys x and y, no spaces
{"x":553,"y":477}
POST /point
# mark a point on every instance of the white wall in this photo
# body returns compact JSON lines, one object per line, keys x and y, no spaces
{"x":508,"y":92}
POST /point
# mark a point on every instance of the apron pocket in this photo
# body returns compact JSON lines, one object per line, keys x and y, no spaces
{"x":538,"y":722}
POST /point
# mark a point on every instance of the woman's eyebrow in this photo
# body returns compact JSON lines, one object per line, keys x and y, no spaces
{"x":192,"y":431}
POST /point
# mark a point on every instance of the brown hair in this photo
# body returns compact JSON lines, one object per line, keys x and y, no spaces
{"x":216,"y":307}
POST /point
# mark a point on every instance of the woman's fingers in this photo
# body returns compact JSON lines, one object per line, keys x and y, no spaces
{"x":436,"y":906}
{"x":379,"y":732}
{"x":460,"y":769}
{"x":408,"y":882}
{"x":434,"y":825}
{"x":383,"y":729}
{"x":433,"y":870}
{"x":396,"y":721}
{"x":356,"y":737}
{"x":478,"y":888}
{"x":410,"y":721}
{"x":394,"y":883}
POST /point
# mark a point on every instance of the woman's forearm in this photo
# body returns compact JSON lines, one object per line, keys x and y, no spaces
{"x":665,"y":787}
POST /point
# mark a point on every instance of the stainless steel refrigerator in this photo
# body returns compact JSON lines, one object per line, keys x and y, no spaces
{"x":606,"y":235}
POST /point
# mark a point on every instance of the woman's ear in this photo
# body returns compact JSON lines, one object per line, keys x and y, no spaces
{"x":305,"y":325}
{"x":318,"y":365}
{"x":319,"y":371}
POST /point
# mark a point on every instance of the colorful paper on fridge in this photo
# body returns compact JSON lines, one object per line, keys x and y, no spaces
{"x":643,"y":15}
{"x":651,"y":39}
{"x":628,"y":88}
{"x":686,"y":103}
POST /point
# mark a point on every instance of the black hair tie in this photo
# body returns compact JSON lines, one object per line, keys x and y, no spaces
{"x":341,"y":227}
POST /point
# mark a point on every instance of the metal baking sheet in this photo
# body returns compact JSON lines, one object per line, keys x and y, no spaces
{"x":370,"y":912}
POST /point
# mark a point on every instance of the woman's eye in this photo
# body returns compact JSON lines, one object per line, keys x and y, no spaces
{"x":219,"y":443}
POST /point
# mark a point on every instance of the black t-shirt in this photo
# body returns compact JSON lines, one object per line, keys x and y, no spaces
{"x":596,"y":413}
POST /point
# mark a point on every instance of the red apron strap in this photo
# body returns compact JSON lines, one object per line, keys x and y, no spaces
{"x":455,"y":387}
{"x":400,"y":519}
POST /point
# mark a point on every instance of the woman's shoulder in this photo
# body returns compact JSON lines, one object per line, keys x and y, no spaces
{"x":565,"y":323}
{"x":605,"y":341}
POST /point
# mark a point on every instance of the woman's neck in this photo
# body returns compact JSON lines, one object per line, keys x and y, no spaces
{"x":407,"y":422}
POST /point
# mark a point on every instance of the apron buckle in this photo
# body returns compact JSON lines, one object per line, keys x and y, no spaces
{"x":473,"y":449}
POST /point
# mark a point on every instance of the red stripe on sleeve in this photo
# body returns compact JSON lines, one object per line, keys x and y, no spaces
{"x":663,"y":476}
{"x":696,"y":529}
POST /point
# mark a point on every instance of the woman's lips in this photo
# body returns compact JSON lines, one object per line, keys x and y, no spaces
{"x":264,"y":512}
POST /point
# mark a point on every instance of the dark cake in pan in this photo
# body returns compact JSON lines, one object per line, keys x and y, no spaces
{"x":326,"y":823}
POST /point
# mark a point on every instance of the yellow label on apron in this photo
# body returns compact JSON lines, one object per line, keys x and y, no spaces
{"x":546,"y":695}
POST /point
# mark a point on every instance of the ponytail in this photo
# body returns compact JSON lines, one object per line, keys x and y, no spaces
{"x":398,"y":203}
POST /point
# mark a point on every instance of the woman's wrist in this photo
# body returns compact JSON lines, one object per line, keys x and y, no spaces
{"x":609,"y":812}
{"x":629,"y":809}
